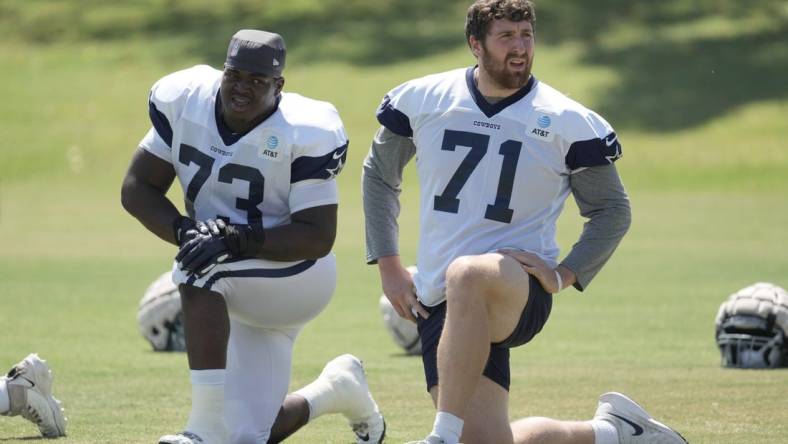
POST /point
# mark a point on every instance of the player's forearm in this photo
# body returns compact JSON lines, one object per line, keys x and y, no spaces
{"x":599,"y":240}
{"x":296,"y":241}
{"x":601,"y":198}
{"x":389,"y":263}
{"x":151,"y":207}
{"x":568,"y":277}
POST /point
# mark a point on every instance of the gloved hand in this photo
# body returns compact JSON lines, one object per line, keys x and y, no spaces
{"x":213,"y":241}
{"x":200,"y":254}
{"x":181,"y":226}
{"x":244,"y":240}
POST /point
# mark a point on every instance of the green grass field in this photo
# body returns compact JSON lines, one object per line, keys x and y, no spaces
{"x":696,"y":91}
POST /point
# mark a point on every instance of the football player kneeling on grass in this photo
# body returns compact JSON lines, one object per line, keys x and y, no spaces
{"x":257,"y":166}
{"x":27,"y":390}
{"x":498,"y":154}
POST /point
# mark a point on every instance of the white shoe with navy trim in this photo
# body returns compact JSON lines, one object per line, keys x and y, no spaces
{"x":633,"y":423}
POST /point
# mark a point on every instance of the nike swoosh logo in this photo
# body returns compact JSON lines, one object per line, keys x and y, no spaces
{"x":611,"y":142}
{"x":338,"y":155}
{"x":638,"y":429}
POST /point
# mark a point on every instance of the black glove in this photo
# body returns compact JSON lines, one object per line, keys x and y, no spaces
{"x":212,"y":242}
{"x":185,"y":229}
{"x":244,"y":240}
{"x":202,"y":253}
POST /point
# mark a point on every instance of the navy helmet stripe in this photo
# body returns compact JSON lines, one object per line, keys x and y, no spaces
{"x":160,"y":123}
{"x":393,"y":119}
{"x":326,"y":166}
{"x":260,"y":273}
{"x":593,"y":152}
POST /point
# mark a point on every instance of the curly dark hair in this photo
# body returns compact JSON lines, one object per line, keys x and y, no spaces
{"x":483,"y":12}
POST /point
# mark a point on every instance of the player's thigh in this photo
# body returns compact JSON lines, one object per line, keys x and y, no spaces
{"x":259,"y":362}
{"x":504,"y":283}
{"x":280,"y":301}
{"x":486,"y":418}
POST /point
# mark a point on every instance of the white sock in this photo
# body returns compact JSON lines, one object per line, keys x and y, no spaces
{"x":207,"y":414}
{"x":5,"y":402}
{"x":448,"y":427}
{"x":319,"y":397}
{"x":604,"y":432}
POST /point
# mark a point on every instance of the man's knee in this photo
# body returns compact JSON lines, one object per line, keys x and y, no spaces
{"x":497,"y":280}
{"x":476,"y":272}
{"x":196,"y":298}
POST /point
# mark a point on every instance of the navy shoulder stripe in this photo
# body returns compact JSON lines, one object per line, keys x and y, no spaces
{"x":593,"y":152}
{"x":326,"y":167}
{"x":160,"y":123}
{"x":393,"y":119}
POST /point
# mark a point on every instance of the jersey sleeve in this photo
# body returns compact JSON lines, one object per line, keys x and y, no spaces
{"x":396,"y":110}
{"x":319,"y":155}
{"x":166,"y":102}
{"x":589,"y":140}
{"x":154,"y":144}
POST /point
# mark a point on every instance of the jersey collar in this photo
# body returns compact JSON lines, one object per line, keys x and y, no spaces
{"x":487,"y":108}
{"x":227,"y":135}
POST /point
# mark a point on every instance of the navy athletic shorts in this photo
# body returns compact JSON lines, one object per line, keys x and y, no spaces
{"x":533,"y":318}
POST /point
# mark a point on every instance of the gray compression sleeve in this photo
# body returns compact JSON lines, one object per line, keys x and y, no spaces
{"x":381,"y":183}
{"x":601,"y":198}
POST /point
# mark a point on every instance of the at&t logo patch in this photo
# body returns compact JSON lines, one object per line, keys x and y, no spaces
{"x":271,"y":147}
{"x":272,"y":142}
{"x":539,"y":128}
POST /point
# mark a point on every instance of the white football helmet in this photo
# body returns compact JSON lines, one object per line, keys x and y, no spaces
{"x":752,"y":327}
{"x":160,"y":318}
{"x":401,"y":330}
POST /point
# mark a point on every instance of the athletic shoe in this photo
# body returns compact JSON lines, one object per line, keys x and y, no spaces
{"x":432,"y":439}
{"x":182,"y":438}
{"x":633,"y":423}
{"x":29,"y":385}
{"x":346,"y":383}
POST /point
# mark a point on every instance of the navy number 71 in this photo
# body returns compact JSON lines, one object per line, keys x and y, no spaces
{"x":510,"y":150}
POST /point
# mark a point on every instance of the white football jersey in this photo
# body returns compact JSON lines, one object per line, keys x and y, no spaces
{"x":491,"y":175}
{"x":285,"y":164}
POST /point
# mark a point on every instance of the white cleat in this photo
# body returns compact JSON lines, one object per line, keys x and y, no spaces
{"x":29,"y":385}
{"x":182,"y":438}
{"x":432,"y":439}
{"x":633,"y":423}
{"x":350,"y":396}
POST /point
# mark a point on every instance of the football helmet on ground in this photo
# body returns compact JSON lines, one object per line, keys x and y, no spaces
{"x":160,"y":318}
{"x":403,"y":331}
{"x":752,"y":327}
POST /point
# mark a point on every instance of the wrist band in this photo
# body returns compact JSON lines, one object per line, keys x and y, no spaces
{"x":560,"y":281}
